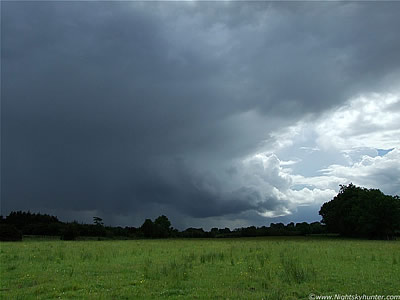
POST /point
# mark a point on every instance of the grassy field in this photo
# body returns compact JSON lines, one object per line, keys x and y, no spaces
{"x":253,"y":268}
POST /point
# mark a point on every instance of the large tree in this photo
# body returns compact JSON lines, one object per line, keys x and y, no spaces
{"x":163,"y":226}
{"x":357,"y":211}
{"x":148,"y":228}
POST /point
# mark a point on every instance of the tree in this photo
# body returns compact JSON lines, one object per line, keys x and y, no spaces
{"x":148,"y":228}
{"x":214,"y":231}
{"x":357,"y":211}
{"x":98,"y":221}
{"x":162,"y":227}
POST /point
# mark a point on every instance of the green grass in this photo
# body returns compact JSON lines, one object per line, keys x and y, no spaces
{"x":254,"y":268}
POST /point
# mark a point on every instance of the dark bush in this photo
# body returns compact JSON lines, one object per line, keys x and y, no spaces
{"x":71,"y":232}
{"x":9,"y":233}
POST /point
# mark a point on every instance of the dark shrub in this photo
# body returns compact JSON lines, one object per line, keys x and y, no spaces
{"x":9,"y":233}
{"x":71,"y":232}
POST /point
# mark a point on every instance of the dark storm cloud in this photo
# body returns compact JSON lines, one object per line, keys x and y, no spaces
{"x":117,"y":106}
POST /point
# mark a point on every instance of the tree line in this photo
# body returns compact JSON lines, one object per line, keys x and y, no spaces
{"x":20,"y":223}
{"x":354,"y":212}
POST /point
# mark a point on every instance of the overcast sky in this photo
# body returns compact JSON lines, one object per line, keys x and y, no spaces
{"x":212,"y":113}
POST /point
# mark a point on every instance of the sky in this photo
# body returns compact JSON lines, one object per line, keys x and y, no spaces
{"x":216,"y":114}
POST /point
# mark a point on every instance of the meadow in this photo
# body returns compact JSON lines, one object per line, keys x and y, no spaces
{"x":247,"y":268}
